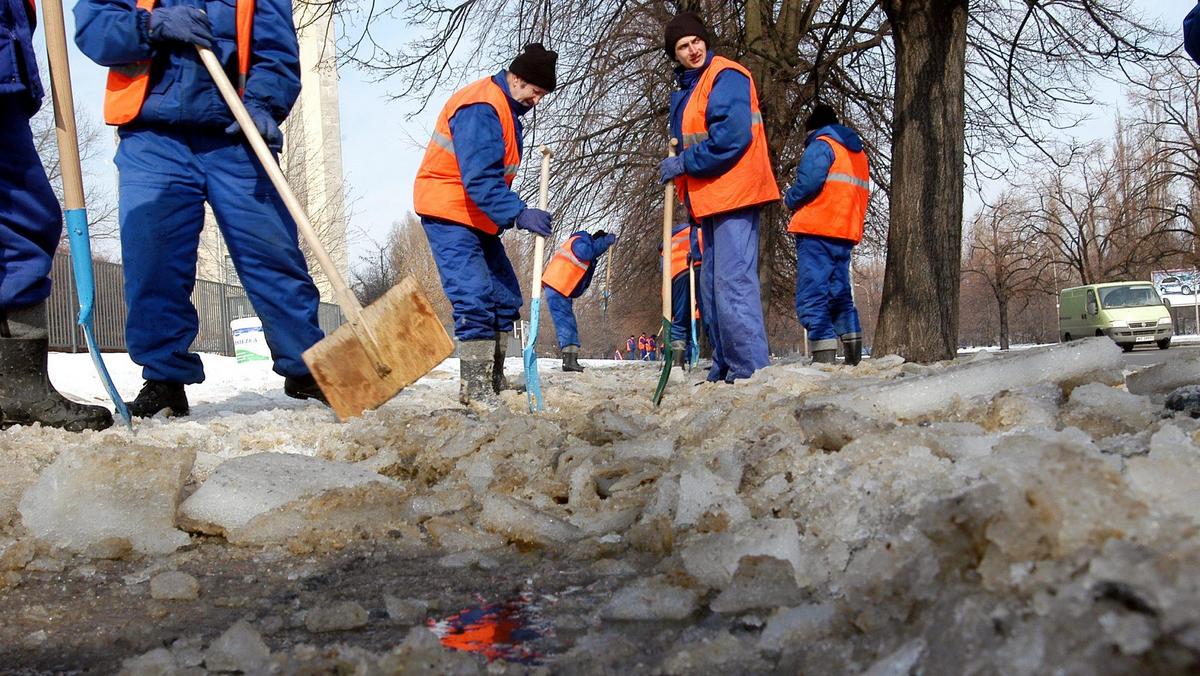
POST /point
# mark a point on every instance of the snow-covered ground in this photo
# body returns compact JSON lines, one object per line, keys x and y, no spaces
{"x":1019,"y":513}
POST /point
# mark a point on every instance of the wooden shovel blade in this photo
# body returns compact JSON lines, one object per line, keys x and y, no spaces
{"x":411,"y":341}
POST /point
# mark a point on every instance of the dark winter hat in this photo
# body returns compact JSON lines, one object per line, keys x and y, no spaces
{"x":822,"y":115}
{"x":683,"y":25}
{"x":535,"y":65}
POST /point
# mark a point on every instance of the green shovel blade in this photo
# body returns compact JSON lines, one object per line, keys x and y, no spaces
{"x":668,"y":360}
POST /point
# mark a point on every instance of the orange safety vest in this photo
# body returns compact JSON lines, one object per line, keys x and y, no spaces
{"x":748,"y":183}
{"x":439,"y":191}
{"x":840,"y":209}
{"x":680,"y":244}
{"x":127,"y":84}
{"x":565,"y":271}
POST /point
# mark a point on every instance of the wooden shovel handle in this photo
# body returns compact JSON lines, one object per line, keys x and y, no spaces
{"x":539,"y":242}
{"x":345,"y":299}
{"x":668,"y":222}
{"x":64,"y":104}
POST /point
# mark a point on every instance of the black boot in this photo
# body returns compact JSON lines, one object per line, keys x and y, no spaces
{"x":824,"y":356}
{"x":304,"y":387}
{"x":476,"y":366}
{"x":499,"y":381}
{"x":570,"y":359}
{"x":852,"y":348}
{"x":158,"y":396}
{"x":27,"y":397}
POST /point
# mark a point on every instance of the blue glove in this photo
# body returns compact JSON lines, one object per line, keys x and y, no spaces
{"x":670,"y":168}
{"x":266,"y":127}
{"x":181,"y":24}
{"x":535,"y":221}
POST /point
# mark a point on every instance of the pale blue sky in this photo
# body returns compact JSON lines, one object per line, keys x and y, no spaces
{"x":382,"y":149}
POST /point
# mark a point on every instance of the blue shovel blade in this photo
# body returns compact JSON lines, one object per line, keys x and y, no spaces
{"x":85,"y":288}
{"x":533,"y":383}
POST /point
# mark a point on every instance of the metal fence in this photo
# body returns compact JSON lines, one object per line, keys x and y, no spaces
{"x":216,"y":304}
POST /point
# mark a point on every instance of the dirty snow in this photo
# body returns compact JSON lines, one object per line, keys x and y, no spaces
{"x":1023,"y":513}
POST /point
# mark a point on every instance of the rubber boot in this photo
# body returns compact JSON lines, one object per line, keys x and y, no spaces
{"x":476,"y":366}
{"x":26,"y":394}
{"x":679,"y":352}
{"x":499,"y":380}
{"x":304,"y":387}
{"x":570,"y":359}
{"x":824,"y":356}
{"x":852,"y":349}
{"x":160,"y":396}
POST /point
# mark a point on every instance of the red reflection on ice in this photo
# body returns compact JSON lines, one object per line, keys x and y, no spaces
{"x":496,"y":630}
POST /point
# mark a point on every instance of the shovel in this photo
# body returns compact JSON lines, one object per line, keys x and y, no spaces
{"x":668,"y":220}
{"x":533,"y":382}
{"x":382,"y":348}
{"x":72,"y":175}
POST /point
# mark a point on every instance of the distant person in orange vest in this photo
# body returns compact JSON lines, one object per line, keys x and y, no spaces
{"x":180,"y":148}
{"x":829,"y":201}
{"x":643,"y":347}
{"x":30,"y":228}
{"x":652,"y":348}
{"x":630,"y":345}
{"x":685,"y":250}
{"x":463,"y":196}
{"x":566,"y":277}
{"x":723,"y":175}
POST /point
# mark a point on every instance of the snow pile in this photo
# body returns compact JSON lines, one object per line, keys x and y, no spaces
{"x":1021,"y":513}
{"x":96,"y":496}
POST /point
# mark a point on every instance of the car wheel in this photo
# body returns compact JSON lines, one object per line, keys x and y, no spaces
{"x":1066,"y":338}
{"x":1187,"y":290}
{"x":1164,"y":343}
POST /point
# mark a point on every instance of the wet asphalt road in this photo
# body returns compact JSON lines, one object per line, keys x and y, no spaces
{"x":1143,"y":357}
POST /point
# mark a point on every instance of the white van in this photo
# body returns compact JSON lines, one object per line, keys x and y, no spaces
{"x":1131,"y":313}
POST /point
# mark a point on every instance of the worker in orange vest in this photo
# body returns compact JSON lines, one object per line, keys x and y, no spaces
{"x":829,"y":201}
{"x":181,"y":148}
{"x":30,"y":228}
{"x":566,"y":277}
{"x":463,"y":196}
{"x":723,"y":176}
{"x":643,"y":347}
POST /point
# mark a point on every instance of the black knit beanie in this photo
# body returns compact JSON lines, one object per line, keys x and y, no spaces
{"x":822,"y":115}
{"x":683,"y":25}
{"x":535,"y":65}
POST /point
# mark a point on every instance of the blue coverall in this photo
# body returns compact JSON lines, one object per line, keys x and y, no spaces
{"x":175,"y":156}
{"x":1191,"y":33}
{"x":475,"y":271}
{"x":562,"y":308}
{"x":30,"y":220}
{"x":824,"y":302}
{"x":729,"y":289}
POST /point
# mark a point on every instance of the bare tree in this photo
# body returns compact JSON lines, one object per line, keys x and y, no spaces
{"x":1005,"y":255}
{"x":99,"y":198}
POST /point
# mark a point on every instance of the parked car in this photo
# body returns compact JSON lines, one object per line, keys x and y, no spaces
{"x":1174,"y":285}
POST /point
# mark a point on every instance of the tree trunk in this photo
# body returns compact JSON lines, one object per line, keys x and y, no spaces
{"x":918,"y":318}
{"x":1002,"y":301}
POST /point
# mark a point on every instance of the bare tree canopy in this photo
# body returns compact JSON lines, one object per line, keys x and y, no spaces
{"x":939,"y":90}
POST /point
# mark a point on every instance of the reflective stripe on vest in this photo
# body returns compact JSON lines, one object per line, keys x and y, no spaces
{"x":751,"y":180}
{"x":840,"y":209}
{"x":127,"y":84}
{"x":565,"y":271}
{"x":439,"y":191}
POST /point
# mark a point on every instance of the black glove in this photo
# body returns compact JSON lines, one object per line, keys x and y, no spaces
{"x":598,"y":234}
{"x":181,"y":24}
